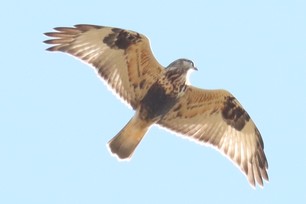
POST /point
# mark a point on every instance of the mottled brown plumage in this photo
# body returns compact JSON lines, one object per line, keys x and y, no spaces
{"x":162,"y":96}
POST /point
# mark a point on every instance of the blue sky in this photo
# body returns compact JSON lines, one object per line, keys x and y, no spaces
{"x":56,"y":116}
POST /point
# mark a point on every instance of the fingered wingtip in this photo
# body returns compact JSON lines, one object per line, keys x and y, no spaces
{"x":49,"y":34}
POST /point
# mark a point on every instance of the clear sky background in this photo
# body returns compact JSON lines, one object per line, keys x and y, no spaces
{"x":56,"y":116}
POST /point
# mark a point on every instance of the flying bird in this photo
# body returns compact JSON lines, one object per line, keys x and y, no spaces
{"x":162,"y":95}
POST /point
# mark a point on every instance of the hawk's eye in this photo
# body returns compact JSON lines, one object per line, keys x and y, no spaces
{"x":191,"y":63}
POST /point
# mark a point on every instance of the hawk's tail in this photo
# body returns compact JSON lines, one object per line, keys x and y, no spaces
{"x":126,"y":141}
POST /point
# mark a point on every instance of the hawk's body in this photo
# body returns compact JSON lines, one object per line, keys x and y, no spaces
{"x":162,"y":96}
{"x":156,"y":103}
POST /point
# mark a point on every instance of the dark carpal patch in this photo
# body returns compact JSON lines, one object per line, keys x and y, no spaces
{"x":121,"y":39}
{"x":233,"y":114}
{"x":156,"y":102}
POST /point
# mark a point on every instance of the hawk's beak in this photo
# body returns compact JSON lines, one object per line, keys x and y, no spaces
{"x":194,"y":68}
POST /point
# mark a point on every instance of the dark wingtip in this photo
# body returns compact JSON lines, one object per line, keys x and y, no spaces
{"x":52,"y":34}
{"x":50,"y":49}
{"x":48,"y":41}
{"x":49,"y":34}
{"x":53,"y":48}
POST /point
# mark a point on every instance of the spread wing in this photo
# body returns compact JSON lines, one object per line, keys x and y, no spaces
{"x":122,"y":58}
{"x":215,"y":117}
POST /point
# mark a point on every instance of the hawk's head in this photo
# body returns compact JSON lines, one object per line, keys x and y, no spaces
{"x":181,"y":68}
{"x":182,"y":64}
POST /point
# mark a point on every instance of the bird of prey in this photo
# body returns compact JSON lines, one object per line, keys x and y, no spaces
{"x":162,"y":95}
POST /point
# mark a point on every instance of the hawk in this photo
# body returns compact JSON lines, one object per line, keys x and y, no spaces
{"x":162,"y":95}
